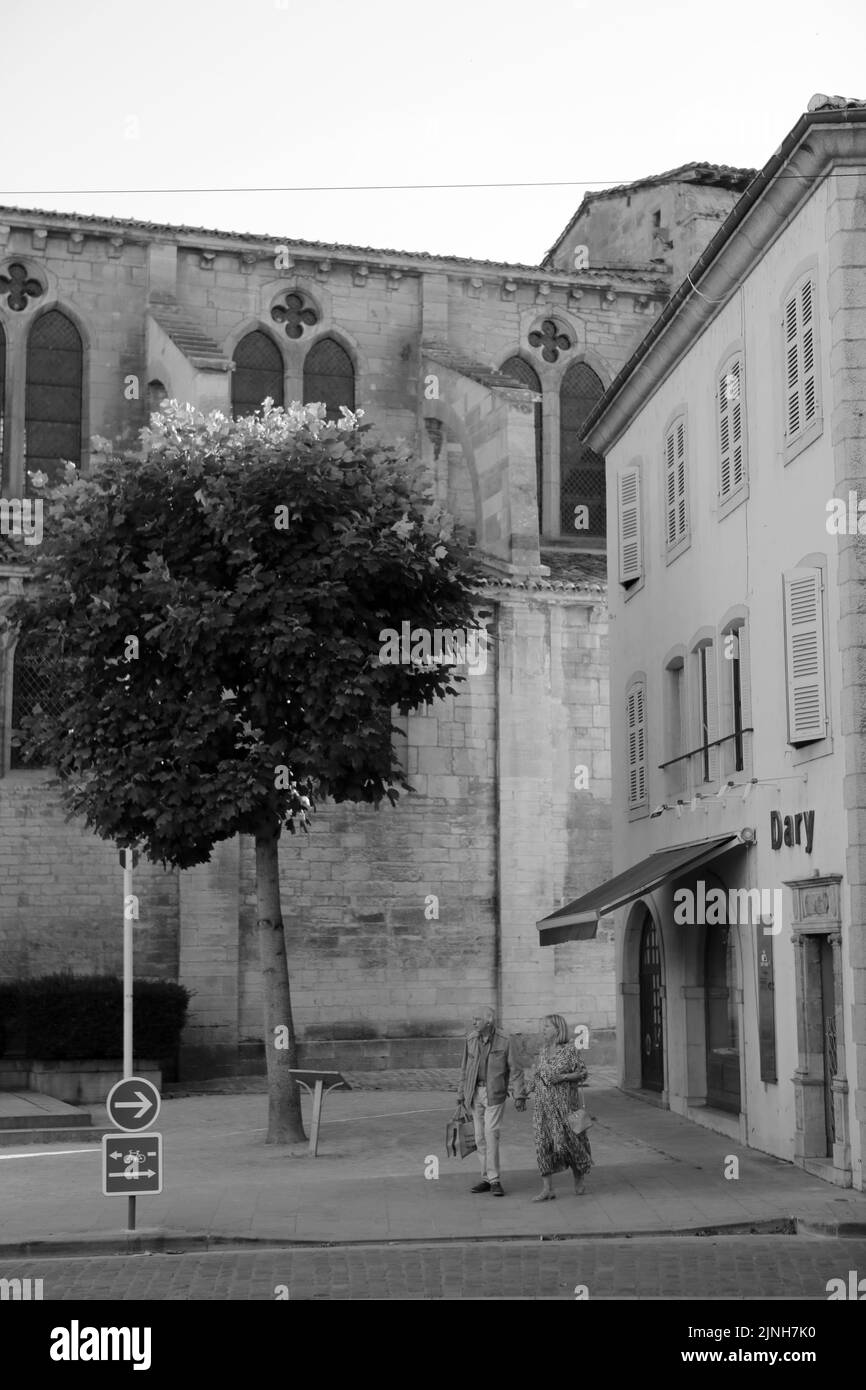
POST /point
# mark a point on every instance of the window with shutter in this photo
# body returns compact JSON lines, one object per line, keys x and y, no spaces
{"x":630,"y":547}
{"x":637,"y":770}
{"x":732,"y":468}
{"x":676,"y":500}
{"x":801,"y":360}
{"x":804,"y":655}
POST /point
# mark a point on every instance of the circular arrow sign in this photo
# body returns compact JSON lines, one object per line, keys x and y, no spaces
{"x":133,"y":1103}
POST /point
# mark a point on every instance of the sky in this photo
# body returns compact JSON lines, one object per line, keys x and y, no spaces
{"x":104,"y":104}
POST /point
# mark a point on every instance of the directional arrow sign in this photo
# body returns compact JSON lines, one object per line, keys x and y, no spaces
{"x":133,"y":1103}
{"x":133,"y":1168}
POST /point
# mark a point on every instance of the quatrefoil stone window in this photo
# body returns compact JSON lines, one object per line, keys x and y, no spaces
{"x":18,"y":287}
{"x":550,"y":340}
{"x":295,"y":314}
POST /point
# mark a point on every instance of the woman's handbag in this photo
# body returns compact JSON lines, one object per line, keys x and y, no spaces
{"x":579,"y":1121}
{"x":460,"y":1134}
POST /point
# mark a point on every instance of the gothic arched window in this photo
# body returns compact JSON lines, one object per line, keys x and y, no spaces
{"x":258,"y":374}
{"x":521,"y":371}
{"x":329,"y":377}
{"x":156,"y":394}
{"x":581,"y":472}
{"x":2,"y":402}
{"x":37,"y":686}
{"x":52,"y":418}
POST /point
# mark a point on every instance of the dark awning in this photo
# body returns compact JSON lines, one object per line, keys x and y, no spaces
{"x":578,"y":920}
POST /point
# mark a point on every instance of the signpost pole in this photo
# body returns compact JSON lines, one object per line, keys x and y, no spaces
{"x":128,"y":1069}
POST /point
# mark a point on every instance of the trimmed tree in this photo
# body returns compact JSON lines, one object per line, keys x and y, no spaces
{"x":218,"y":613}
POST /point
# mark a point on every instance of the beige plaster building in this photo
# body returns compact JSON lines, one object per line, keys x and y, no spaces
{"x":737,"y":670}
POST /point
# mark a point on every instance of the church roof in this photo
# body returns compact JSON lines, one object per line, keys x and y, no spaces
{"x":569,"y":573}
{"x":467,"y":366}
{"x":714,"y":175}
{"x":199,"y":236}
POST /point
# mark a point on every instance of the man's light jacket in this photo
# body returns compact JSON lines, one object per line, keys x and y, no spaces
{"x":503,"y":1069}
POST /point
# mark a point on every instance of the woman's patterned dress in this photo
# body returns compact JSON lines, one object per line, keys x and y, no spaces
{"x":557,"y":1147}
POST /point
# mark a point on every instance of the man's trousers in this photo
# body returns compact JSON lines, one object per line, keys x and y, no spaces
{"x":487,"y":1121}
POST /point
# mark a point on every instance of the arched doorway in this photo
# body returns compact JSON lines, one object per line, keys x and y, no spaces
{"x":652,"y":1067}
{"x":722,"y":1020}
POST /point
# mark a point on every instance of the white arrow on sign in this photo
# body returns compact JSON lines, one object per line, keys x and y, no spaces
{"x":140,"y":1106}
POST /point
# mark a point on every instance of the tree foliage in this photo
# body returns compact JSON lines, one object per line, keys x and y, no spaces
{"x":218,"y":604}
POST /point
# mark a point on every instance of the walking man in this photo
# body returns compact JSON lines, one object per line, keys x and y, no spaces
{"x":490,"y":1062}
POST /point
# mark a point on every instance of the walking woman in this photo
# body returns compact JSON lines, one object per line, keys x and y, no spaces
{"x":559,"y":1073}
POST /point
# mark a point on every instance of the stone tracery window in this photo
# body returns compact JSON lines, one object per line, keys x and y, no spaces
{"x":37,"y":686}
{"x":551,"y":340}
{"x":2,"y":404}
{"x":581,"y":472}
{"x":53,"y":409}
{"x":329,"y":376}
{"x":519,"y":369}
{"x":296,"y":313}
{"x":258,"y":374}
{"x":19,"y":288}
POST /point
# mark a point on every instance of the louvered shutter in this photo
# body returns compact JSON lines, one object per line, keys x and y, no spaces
{"x":804,"y":655}
{"x":629,"y":525}
{"x":807,"y":334}
{"x":681,"y":480}
{"x":671,"y":488}
{"x":801,"y":379}
{"x":637,"y":788}
{"x":731,"y":464}
{"x":675,"y":483}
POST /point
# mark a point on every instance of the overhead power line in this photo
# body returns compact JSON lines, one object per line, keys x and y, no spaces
{"x":361,"y":187}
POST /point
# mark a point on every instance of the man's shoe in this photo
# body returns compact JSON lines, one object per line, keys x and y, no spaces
{"x":496,"y":1189}
{"x":480,"y":1187}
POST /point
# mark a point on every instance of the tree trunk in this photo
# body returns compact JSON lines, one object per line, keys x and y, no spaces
{"x":285,"y":1125}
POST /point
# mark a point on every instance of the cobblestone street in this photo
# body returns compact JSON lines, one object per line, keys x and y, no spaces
{"x":730,"y":1267}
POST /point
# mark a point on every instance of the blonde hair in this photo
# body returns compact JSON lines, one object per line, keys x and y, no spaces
{"x":560,"y":1025}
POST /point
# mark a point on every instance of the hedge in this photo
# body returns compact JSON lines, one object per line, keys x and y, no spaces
{"x":61,"y":1018}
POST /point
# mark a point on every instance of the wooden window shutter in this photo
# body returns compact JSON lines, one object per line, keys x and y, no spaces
{"x":630,"y":558}
{"x":675,"y":483}
{"x":809,"y":365}
{"x":671,"y":488}
{"x":804,"y":655}
{"x":637,"y":784}
{"x":731,"y":461}
{"x":682,"y":518}
{"x":801,"y":366}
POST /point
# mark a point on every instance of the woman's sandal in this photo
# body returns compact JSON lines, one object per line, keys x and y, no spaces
{"x":545,"y":1197}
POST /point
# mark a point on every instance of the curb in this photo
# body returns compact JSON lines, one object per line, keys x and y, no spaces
{"x":154,"y":1244}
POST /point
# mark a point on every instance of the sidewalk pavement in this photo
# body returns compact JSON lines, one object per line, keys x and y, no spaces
{"x":655,"y":1173}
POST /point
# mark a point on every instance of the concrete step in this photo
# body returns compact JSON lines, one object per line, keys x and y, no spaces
{"x":14,"y":1138}
{"x":31,"y":1110}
